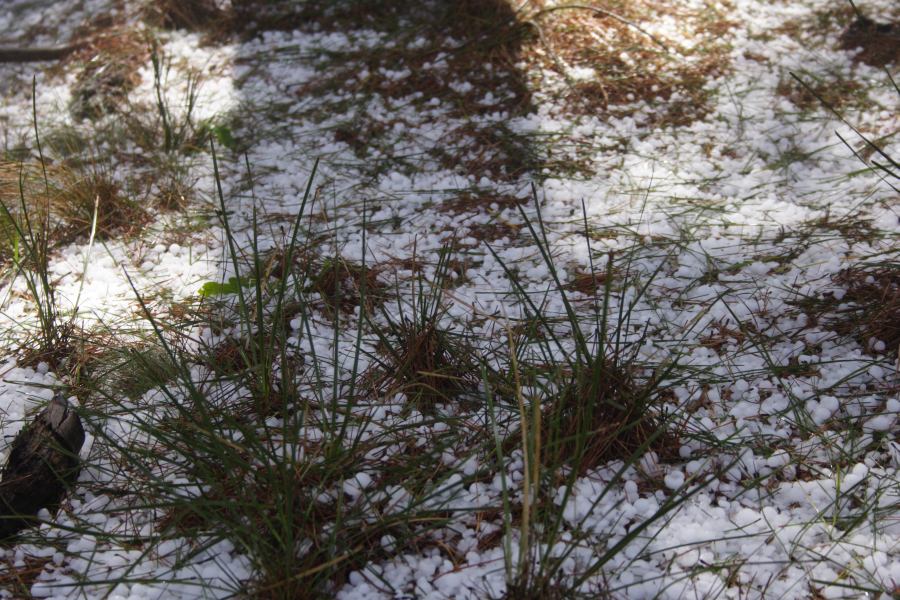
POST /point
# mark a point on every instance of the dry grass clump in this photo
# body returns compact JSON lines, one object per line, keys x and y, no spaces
{"x":879,"y":43}
{"x":426,"y":363}
{"x":587,"y":283}
{"x":67,"y":200}
{"x":17,"y":580}
{"x":419,"y":357}
{"x":173,"y":193}
{"x":192,"y":15}
{"x":116,"y":213}
{"x":344,"y":285}
{"x":871,"y":305}
{"x":110,"y":70}
{"x":470,"y":202}
{"x":473,"y":203}
{"x":238,"y":360}
{"x":608,"y":60}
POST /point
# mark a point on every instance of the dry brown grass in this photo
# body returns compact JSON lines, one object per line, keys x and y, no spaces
{"x":109,"y":64}
{"x":721,"y":335}
{"x":873,"y":296}
{"x":117,"y":215}
{"x":588,"y":283}
{"x":67,"y":198}
{"x":426,"y":365}
{"x":17,"y":580}
{"x":834,"y":90}
{"x":629,"y":65}
{"x":343,"y":285}
{"x":828,"y":17}
{"x":473,"y":203}
{"x":879,"y":42}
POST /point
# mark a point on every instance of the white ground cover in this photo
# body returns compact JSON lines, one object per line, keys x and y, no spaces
{"x":799,"y":498}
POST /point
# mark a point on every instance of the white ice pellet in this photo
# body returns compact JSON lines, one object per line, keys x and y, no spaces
{"x":674,"y":479}
{"x":631,"y":491}
{"x":882,"y":422}
{"x":364,"y":480}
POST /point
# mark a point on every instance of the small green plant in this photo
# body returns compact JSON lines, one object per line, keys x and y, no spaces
{"x":230,"y":287}
{"x":179,"y":131}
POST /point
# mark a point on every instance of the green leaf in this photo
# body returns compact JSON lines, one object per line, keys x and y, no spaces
{"x":224,"y":136}
{"x":214,"y":288}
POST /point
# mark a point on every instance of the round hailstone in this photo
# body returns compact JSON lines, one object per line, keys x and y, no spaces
{"x":674,"y":479}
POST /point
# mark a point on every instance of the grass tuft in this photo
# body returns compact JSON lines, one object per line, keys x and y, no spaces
{"x":419,"y":357}
{"x":606,"y":413}
{"x":83,"y":195}
{"x":67,"y":199}
{"x":342,"y":285}
{"x":869,"y":310}
{"x":111,"y":70}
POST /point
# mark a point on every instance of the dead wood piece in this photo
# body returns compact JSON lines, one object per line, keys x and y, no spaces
{"x":20,"y":55}
{"x":43,"y":463}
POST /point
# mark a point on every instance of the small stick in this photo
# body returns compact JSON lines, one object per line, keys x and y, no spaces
{"x":21,"y":55}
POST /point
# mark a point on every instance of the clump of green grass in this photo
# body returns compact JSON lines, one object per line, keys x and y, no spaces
{"x":179,"y":134}
{"x":28,"y":225}
{"x":605,"y":413}
{"x":258,"y":477}
{"x":601,"y":405}
{"x":417,"y":355}
{"x":583,"y":401}
{"x":166,"y":130}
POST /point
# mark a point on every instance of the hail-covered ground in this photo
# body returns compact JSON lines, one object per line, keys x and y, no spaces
{"x":749,"y":247}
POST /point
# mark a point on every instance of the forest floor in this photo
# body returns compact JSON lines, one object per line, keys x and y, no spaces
{"x":472,"y":299}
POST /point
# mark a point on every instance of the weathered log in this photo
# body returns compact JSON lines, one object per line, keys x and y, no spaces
{"x":42,"y":465}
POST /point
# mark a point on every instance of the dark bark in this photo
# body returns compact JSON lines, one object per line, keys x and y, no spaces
{"x":43,"y":463}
